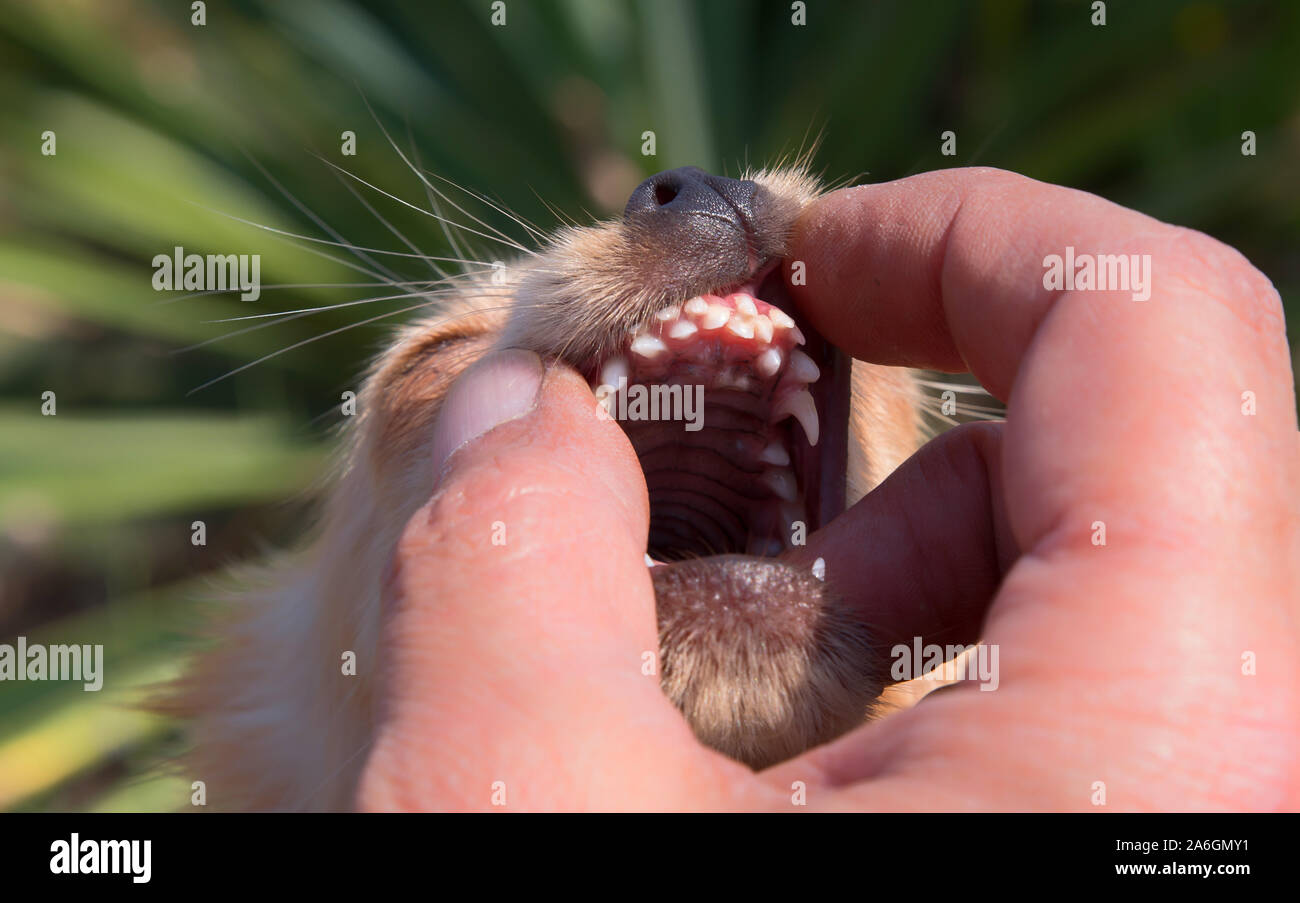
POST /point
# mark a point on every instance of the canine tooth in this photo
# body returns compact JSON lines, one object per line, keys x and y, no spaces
{"x":768,"y":362}
{"x":746,"y":306}
{"x":801,"y":406}
{"x":775,"y":453}
{"x":649,"y":562}
{"x":781,"y":482}
{"x":696,"y":307}
{"x":716,"y":316}
{"x":741,"y":328}
{"x":763,"y":329}
{"x":668,"y":313}
{"x":648,"y":346}
{"x":614,"y":368}
{"x":682,"y":329}
{"x":781,"y":318}
{"x":803,"y":368}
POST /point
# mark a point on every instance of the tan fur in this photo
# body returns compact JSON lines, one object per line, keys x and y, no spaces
{"x":275,"y":723}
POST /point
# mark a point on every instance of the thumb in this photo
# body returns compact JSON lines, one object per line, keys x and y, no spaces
{"x":520,"y":611}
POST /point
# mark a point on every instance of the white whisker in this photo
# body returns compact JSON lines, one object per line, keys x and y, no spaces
{"x":267,"y":357}
{"x":512,"y":244}
{"x":503,"y":237}
{"x":282,"y":285}
{"x":433,"y":201}
{"x":354,"y":303}
{"x":311,"y":214}
{"x":325,"y":241}
{"x":391,"y":228}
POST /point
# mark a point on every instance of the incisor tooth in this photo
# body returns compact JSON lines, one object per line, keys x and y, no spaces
{"x":763,"y":329}
{"x":803,"y":368}
{"x":801,"y":406}
{"x":746,"y":306}
{"x":614,"y":368}
{"x":781,"y":318}
{"x":717,"y":316}
{"x":775,"y":453}
{"x":768,"y":362}
{"x":648,"y":346}
{"x":668,"y":313}
{"x":741,"y":328}
{"x":696,"y":307}
{"x":682,"y":329}
{"x":781,"y":482}
{"x":798,"y":336}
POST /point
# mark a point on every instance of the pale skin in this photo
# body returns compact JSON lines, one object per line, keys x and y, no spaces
{"x":1121,"y":664}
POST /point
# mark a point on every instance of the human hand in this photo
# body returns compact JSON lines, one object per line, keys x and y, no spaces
{"x":1120,"y":663}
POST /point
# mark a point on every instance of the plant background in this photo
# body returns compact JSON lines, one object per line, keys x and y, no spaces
{"x":160,"y":123}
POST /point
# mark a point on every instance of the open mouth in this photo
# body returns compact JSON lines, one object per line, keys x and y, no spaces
{"x":747,"y":452}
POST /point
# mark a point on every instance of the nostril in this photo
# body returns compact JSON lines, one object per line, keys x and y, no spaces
{"x":665,"y":193}
{"x":690,"y":200}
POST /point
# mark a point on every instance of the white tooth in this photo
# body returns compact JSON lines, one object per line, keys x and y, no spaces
{"x":648,"y":346}
{"x":614,"y":368}
{"x":781,"y":482}
{"x":682,"y":329}
{"x":741,"y":328}
{"x":763,"y":329}
{"x":801,"y":406}
{"x":768,"y":362}
{"x":746,"y":306}
{"x":696,"y":307}
{"x":781,"y":318}
{"x":669,"y":313}
{"x":803,"y":368}
{"x":649,"y":562}
{"x":717,"y":316}
{"x":798,"y":336}
{"x":775,"y":453}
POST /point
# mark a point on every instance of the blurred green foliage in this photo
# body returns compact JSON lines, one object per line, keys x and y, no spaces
{"x":165,"y":130}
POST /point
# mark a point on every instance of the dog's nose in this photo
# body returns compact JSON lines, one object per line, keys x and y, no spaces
{"x":689,"y":198}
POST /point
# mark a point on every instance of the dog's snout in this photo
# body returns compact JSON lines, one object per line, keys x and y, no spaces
{"x":691,"y":199}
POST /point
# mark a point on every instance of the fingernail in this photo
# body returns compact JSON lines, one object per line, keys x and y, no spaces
{"x":500,"y":387}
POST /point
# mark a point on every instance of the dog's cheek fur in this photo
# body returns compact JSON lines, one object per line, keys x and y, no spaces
{"x":276,"y":724}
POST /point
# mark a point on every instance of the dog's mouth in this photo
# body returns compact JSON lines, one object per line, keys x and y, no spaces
{"x":738,"y":411}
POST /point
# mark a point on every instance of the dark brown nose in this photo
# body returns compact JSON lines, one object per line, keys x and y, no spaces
{"x":690,"y":201}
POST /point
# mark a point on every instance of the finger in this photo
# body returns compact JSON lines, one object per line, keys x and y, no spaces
{"x":946,"y":270}
{"x":923,"y":553}
{"x":522,"y":612}
{"x":1140,"y":489}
